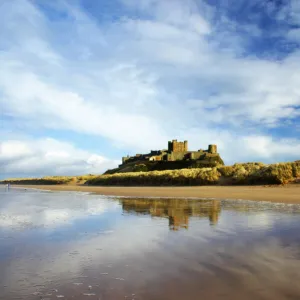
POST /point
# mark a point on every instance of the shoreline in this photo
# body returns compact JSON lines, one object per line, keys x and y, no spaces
{"x":289,"y":194}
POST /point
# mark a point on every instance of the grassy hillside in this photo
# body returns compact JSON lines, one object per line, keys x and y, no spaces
{"x":210,"y":161}
{"x":237,"y":174}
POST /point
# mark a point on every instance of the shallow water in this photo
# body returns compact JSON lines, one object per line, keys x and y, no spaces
{"x":79,"y":246}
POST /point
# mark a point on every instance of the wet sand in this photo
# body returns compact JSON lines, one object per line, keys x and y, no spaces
{"x":281,"y":194}
{"x":86,"y":246}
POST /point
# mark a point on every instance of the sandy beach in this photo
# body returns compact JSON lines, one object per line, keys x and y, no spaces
{"x":282,"y":194}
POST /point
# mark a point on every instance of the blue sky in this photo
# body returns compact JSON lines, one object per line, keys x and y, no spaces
{"x":84,"y":82}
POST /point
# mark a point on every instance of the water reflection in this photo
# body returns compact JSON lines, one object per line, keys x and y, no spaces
{"x":177,"y":211}
{"x":83,"y":246}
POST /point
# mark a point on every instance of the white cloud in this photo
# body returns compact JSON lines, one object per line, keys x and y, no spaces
{"x":139,"y":81}
{"x":249,"y":147}
{"x":294,"y":34}
{"x":294,"y":12}
{"x":49,"y":157}
{"x":28,"y":97}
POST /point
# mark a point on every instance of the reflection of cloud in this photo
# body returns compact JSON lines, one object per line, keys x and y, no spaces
{"x":143,"y":242}
{"x":260,"y":220}
{"x":243,"y":267}
{"x":254,"y":215}
{"x":23,"y":208}
{"x":246,"y":221}
{"x":10,"y":221}
{"x":23,"y":211}
{"x":66,"y":261}
{"x":55,"y":216}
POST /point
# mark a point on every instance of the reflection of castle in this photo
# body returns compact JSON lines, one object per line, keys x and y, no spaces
{"x":178,"y":211}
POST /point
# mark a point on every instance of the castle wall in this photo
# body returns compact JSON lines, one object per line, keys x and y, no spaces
{"x":196,"y":154}
{"x":177,"y":156}
{"x":155,"y":158}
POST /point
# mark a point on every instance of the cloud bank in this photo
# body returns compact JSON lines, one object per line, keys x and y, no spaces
{"x":45,"y":156}
{"x":137,"y":73}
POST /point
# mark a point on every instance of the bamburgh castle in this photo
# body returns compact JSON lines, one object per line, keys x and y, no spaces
{"x":176,"y":151}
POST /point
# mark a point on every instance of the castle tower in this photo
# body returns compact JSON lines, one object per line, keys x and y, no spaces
{"x":175,"y":146}
{"x":185,"y":146}
{"x":170,"y":146}
{"x":124,"y":159}
{"x":212,"y":149}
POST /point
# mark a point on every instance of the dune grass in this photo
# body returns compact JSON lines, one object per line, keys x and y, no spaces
{"x":167,"y":177}
{"x":43,"y":180}
{"x":237,"y":174}
{"x":49,"y":180}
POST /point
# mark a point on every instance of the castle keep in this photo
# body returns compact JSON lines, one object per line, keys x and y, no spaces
{"x":176,"y":151}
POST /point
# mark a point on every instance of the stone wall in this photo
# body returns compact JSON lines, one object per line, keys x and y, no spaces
{"x":196,"y":154}
{"x":177,"y":155}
